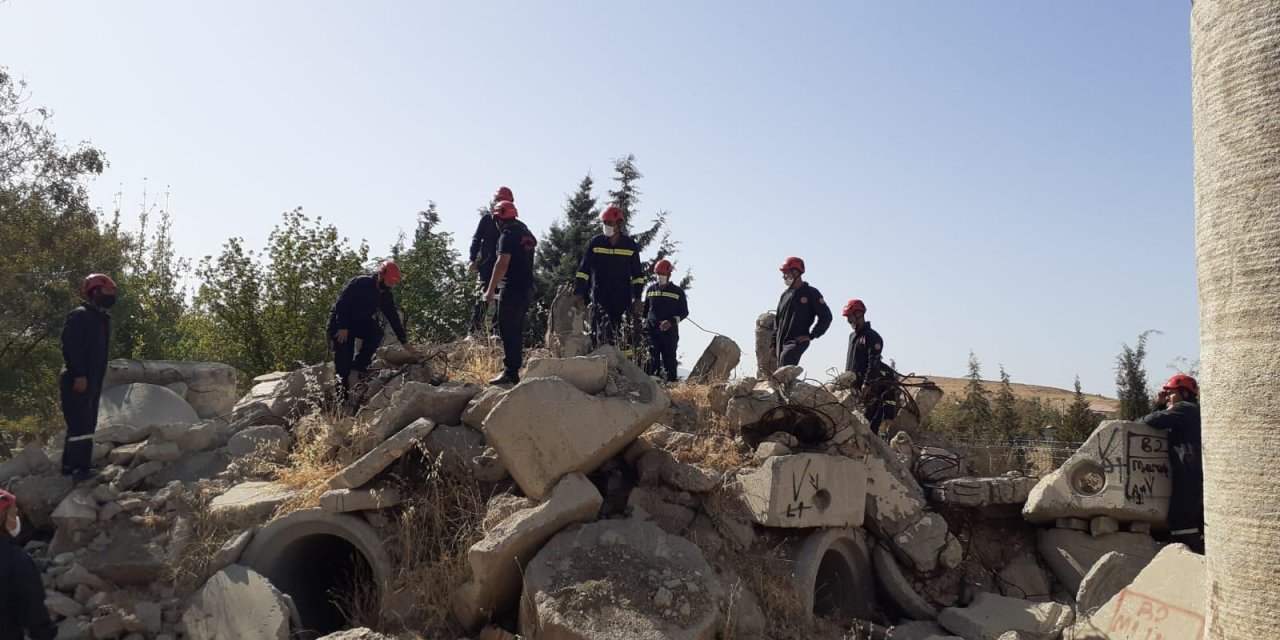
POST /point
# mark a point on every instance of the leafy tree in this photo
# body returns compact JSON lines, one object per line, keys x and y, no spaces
{"x":975,"y":407}
{"x":437,"y":295}
{"x":1078,"y":421}
{"x":627,"y":196}
{"x":147,"y":321}
{"x":1006,"y":418}
{"x":1131,"y":379}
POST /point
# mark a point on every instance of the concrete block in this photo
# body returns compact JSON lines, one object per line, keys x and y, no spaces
{"x":990,"y":616}
{"x":1166,"y":600}
{"x":237,"y":602}
{"x":1121,"y":471}
{"x":498,"y":560}
{"x":1070,"y":554}
{"x":1111,"y":573}
{"x":921,"y":542}
{"x":588,"y":373}
{"x":544,"y":428}
{"x":717,"y":362}
{"x":805,"y":490}
{"x":371,"y":464}
{"x":414,"y":400}
{"x":143,"y":406}
{"x":480,"y":406}
{"x":345,"y":500}
{"x":210,"y":387}
{"x":256,"y":500}
{"x":1102,"y":525}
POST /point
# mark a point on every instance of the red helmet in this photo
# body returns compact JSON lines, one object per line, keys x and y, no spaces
{"x":663,"y":268}
{"x":7,"y":500}
{"x":503,"y":194}
{"x":854,"y":305}
{"x":1184,"y":382}
{"x":612,"y":214}
{"x":505,"y":210}
{"x":792,"y":263}
{"x":390,"y":272}
{"x":94,"y":281}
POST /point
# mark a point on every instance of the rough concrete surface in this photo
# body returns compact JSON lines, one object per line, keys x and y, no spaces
{"x":1166,"y":601}
{"x":239,"y":603}
{"x":142,"y":405}
{"x":804,"y":490}
{"x":989,"y":616}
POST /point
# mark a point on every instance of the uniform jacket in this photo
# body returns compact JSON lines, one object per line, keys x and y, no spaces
{"x":797,"y":310}
{"x":612,"y":274}
{"x":665,"y":303}
{"x":518,"y":242}
{"x":360,"y":299}
{"x":865,"y":348}
{"x":86,"y":336}
{"x":21,"y":595}
{"x":1182,"y":421}
{"x":484,"y":246}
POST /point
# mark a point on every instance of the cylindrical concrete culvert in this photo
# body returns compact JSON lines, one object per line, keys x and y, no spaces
{"x":833,"y":575}
{"x":331,"y":564}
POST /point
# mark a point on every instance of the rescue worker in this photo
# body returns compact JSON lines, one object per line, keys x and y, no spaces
{"x":1180,"y":416}
{"x":664,"y":307}
{"x":610,"y":271}
{"x":798,"y":308}
{"x":512,"y":285}
{"x":484,"y":245}
{"x":353,"y":317}
{"x":863,"y":360}
{"x":86,"y":337}
{"x":22,"y":607}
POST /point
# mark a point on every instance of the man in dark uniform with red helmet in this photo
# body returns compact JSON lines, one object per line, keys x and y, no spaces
{"x":665,"y":307}
{"x":512,"y":286}
{"x":1179,"y":414}
{"x":483,"y":255}
{"x":610,"y":272}
{"x":86,"y":338}
{"x":353,"y":317}
{"x":800,"y":305}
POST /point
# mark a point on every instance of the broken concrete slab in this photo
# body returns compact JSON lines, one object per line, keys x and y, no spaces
{"x":237,"y":602}
{"x":920,"y":630}
{"x":271,"y":442}
{"x":659,"y":466}
{"x":360,"y":472}
{"x":189,"y":437}
{"x":1121,"y":471}
{"x":210,"y":386}
{"x":673,"y":517}
{"x":39,"y":496}
{"x":1024,"y":578}
{"x":990,"y":616}
{"x":30,"y":460}
{"x":132,"y":557}
{"x":1070,"y":554}
{"x":230,"y":551}
{"x":281,"y":394}
{"x":1111,"y":573}
{"x":251,"y":500}
{"x":669,"y":589}
{"x":76,"y":512}
{"x":544,"y":428}
{"x":894,"y":498}
{"x":138,"y":474}
{"x":143,"y":406}
{"x":566,"y":326}
{"x":480,"y":406}
{"x":717,"y":362}
{"x":804,"y":490}
{"x":1167,"y":600}
{"x":766,"y":354}
{"x":498,"y":560}
{"x":588,"y":373}
{"x":346,"y":500}
{"x":924,"y":399}
{"x":922,"y":542}
{"x":205,"y":464}
{"x":454,"y":447}
{"x":161,"y":451}
{"x":979,"y":492}
{"x":415,"y":400}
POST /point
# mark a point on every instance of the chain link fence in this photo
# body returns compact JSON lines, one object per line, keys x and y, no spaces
{"x":1028,"y":457}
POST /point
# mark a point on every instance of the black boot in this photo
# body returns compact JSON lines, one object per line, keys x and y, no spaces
{"x":507,"y":377}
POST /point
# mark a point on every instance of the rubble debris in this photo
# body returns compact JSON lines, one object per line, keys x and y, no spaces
{"x":832,"y":573}
{"x":1111,"y":573}
{"x":237,"y":602}
{"x":923,"y":542}
{"x":717,"y":362}
{"x":620,"y":579}
{"x":588,"y":373}
{"x":1024,"y":578}
{"x":346,"y":500}
{"x":1121,"y":471}
{"x":804,"y":490}
{"x":566,"y":327}
{"x":538,"y":445}
{"x":498,"y":560}
{"x":659,"y":466}
{"x":210,"y":387}
{"x":143,"y":406}
{"x":360,"y":472}
{"x":281,"y":394}
{"x":990,"y":616}
{"x":250,"y":500}
{"x":766,"y":357}
{"x":1173,"y":584}
{"x":480,"y":406}
{"x":1070,"y":554}
{"x":415,"y":400}
{"x":981,"y":492}
{"x":271,"y":442}
{"x":902,"y":595}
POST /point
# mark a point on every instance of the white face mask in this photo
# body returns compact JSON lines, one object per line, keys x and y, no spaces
{"x":664,"y":279}
{"x":608,"y":230}
{"x":789,"y":279}
{"x":17,"y":527}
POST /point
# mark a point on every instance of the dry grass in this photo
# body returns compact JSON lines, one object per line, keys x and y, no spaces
{"x":188,"y":570}
{"x":713,"y":445}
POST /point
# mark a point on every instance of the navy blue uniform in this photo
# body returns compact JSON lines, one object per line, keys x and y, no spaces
{"x":515,"y":293}
{"x":484,"y":253}
{"x":863,"y":361}
{"x":356,"y":309}
{"x":664,"y":302}
{"x":1186,"y":505}
{"x":21,"y":595}
{"x":612,"y":274}
{"x":798,"y":308}
{"x":86,"y":338}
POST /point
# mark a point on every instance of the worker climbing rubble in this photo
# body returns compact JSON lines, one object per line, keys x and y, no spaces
{"x":483,"y":255}
{"x":798,"y":309}
{"x":665,"y":306}
{"x":511,"y":284}
{"x":610,"y":273}
{"x":354,"y":317}
{"x":86,"y":336}
{"x":1180,"y":416}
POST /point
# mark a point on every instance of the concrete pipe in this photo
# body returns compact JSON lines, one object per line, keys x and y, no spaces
{"x":833,"y":573}
{"x":325,"y":562}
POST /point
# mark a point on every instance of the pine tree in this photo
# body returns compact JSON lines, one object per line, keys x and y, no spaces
{"x":1131,"y":379}
{"x":1006,"y":409}
{"x":627,"y":197}
{"x":437,"y":294}
{"x":560,"y":250}
{"x":1078,"y":421}
{"x":975,"y":408}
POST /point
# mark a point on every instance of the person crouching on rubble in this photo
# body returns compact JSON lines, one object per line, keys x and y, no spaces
{"x":1180,"y":416}
{"x":353,"y":317}
{"x":21,"y":590}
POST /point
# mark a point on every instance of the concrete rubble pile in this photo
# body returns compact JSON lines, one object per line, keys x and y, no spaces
{"x":611,"y":512}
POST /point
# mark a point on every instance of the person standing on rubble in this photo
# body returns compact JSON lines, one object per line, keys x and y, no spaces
{"x":483,"y":255}
{"x":512,"y":285}
{"x":354,"y":317}
{"x":664,"y":307}
{"x":800,"y":305}
{"x":86,"y":337}
{"x":863,"y":360}
{"x":610,"y":271}
{"x":21,"y":589}
{"x":1180,"y":417}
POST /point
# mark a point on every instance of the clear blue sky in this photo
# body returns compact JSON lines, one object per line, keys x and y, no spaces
{"x":1008,"y":177}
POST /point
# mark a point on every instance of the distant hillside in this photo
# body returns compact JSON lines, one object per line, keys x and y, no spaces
{"x":954,"y":388}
